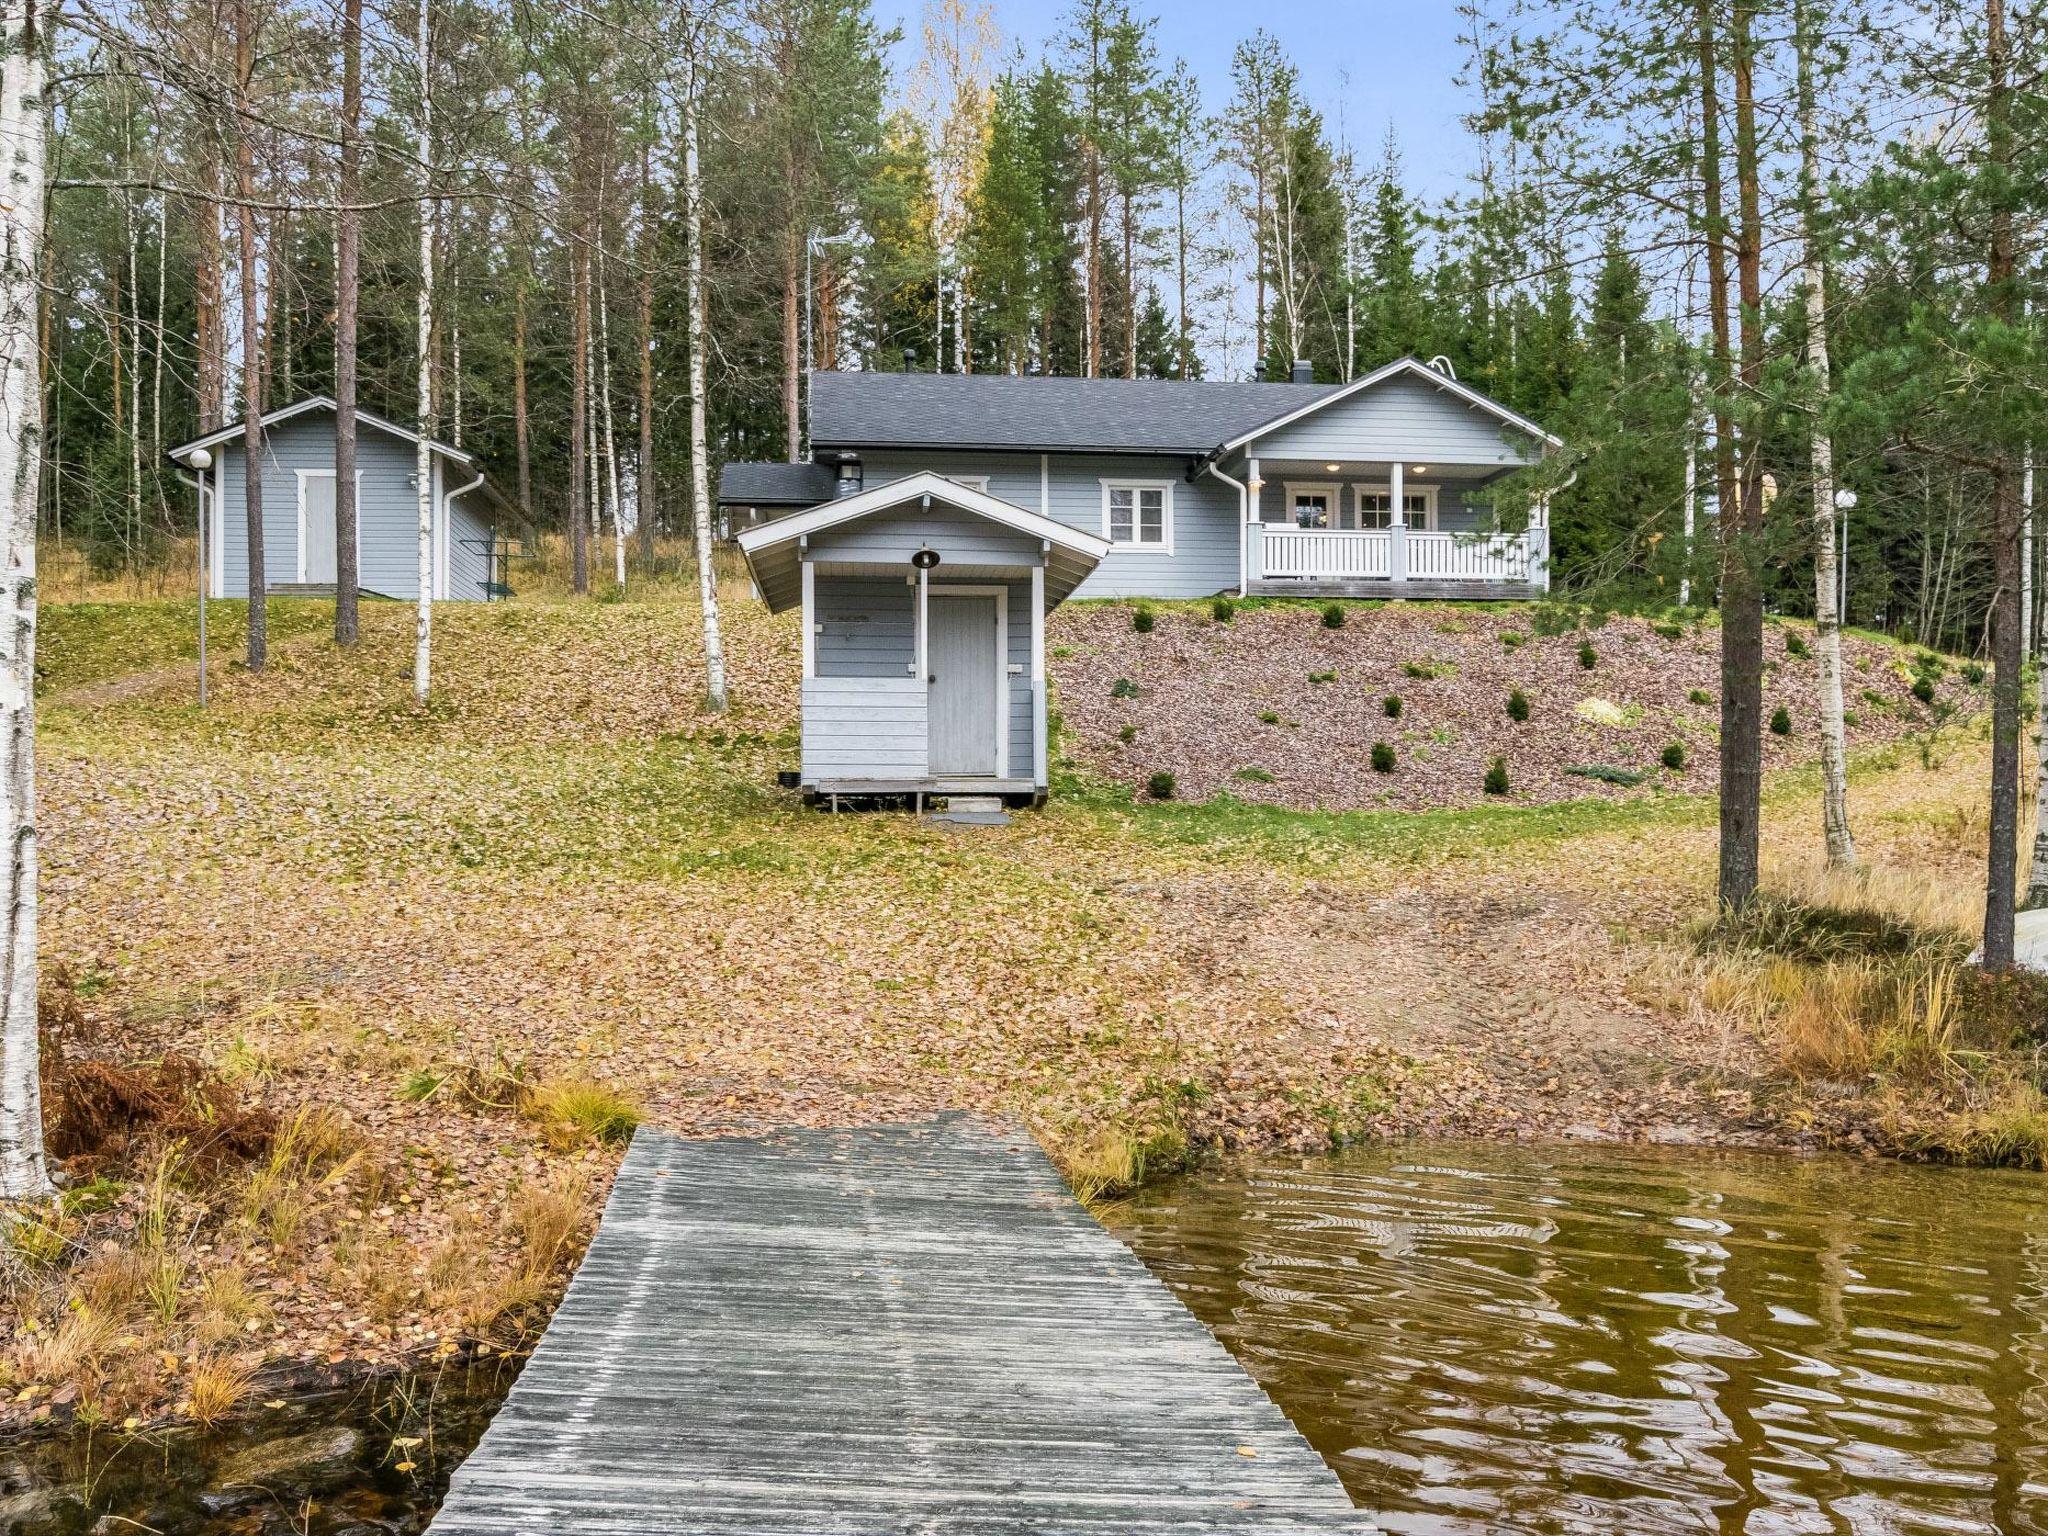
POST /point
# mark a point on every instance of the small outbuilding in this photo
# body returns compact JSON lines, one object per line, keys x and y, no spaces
{"x":923,"y":608}
{"x":299,"y":547}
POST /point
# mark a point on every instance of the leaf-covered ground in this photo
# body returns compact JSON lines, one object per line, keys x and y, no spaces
{"x":418,"y":926}
{"x":1277,"y":707}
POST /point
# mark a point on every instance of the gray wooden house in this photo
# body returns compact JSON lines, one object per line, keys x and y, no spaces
{"x":1380,"y":487}
{"x":923,"y":604}
{"x":298,"y":509}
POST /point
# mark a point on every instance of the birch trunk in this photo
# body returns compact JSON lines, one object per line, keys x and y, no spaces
{"x":252,"y":349}
{"x":347,"y":246}
{"x":2000,"y":267}
{"x":23,"y":128}
{"x":579,"y":390}
{"x":700,"y":467}
{"x":611,"y":442}
{"x":423,"y":454}
{"x":1827,"y":618}
{"x":643,"y":476}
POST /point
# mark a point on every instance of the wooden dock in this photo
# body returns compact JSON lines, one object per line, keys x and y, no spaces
{"x":901,"y":1329}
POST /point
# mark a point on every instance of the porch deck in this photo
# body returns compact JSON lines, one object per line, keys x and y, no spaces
{"x":1288,"y":561}
{"x":1419,"y":590}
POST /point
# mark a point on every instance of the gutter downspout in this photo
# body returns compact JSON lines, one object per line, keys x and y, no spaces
{"x":1244,"y":512}
{"x":447,"y":539}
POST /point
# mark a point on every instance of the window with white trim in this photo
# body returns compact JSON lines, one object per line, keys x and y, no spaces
{"x":972,"y":482}
{"x":1375,"y":504}
{"x":1138,"y":514}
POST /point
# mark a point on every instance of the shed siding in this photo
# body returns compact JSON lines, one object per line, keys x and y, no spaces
{"x":1205,"y":512}
{"x":891,"y":538}
{"x":470,"y":548}
{"x":1403,"y":418}
{"x":387,"y":512}
{"x":866,"y":648}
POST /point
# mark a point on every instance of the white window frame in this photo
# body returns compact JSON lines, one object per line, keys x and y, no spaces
{"x":1386,"y":488}
{"x":1164,"y":544}
{"x":971,"y":482}
{"x":1330,"y":490}
{"x":327,"y":474}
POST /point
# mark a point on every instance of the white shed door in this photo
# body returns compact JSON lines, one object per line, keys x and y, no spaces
{"x":316,"y":528}
{"x":962,"y":653}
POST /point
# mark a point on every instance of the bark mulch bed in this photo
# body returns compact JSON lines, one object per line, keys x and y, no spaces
{"x":1276,"y":708}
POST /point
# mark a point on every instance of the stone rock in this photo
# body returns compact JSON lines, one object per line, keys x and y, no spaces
{"x":297,"y":1461}
{"x":34,"y":1510}
{"x":2029,"y":942}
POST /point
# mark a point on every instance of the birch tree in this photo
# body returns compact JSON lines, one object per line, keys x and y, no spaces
{"x":423,"y":453}
{"x":694,"y":22}
{"x":252,"y":335}
{"x":1827,"y":619}
{"x":347,"y":295}
{"x":23,"y":127}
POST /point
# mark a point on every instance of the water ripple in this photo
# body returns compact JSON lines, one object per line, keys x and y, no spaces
{"x":1494,"y":1339}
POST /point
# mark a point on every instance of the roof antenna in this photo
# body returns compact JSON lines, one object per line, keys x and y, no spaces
{"x":1443,"y":366}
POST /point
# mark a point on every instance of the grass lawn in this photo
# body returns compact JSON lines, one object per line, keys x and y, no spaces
{"x":452,"y":955}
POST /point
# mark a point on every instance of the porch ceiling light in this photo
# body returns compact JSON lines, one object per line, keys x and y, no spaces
{"x":1419,"y":469}
{"x":925,"y":558}
{"x":1332,"y":468}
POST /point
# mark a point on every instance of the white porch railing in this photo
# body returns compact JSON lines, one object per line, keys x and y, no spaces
{"x":1279,"y":552}
{"x":1456,"y":557}
{"x":1326,"y":554}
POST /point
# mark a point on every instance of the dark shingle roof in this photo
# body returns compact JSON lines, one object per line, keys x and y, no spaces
{"x":774,"y":485}
{"x":994,"y":410}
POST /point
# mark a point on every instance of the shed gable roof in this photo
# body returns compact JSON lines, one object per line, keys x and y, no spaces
{"x":773,"y":550}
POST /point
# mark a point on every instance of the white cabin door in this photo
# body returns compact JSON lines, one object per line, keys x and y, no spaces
{"x":961,"y":650}
{"x":316,"y":529}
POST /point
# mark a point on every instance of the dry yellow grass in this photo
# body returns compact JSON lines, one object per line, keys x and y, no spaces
{"x":217,"y":1387}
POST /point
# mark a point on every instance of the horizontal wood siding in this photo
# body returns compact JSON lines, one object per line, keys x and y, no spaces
{"x":891,"y":538}
{"x":864,"y":728}
{"x":1404,"y":418}
{"x":1205,"y":513}
{"x":387,"y":511}
{"x":469,"y":543}
{"x":866,"y":627}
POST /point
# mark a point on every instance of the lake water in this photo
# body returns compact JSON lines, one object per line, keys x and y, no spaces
{"x":1485,"y":1338}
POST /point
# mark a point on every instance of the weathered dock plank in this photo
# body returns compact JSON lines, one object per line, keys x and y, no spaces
{"x":907,"y":1329}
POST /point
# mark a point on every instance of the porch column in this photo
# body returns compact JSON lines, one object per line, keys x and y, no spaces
{"x":1397,"y":525}
{"x":1538,"y":544}
{"x":810,"y":615}
{"x":1254,"y":531}
{"x":1038,"y":743}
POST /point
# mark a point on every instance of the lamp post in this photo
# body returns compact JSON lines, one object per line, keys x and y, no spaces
{"x":1845,"y":503}
{"x":813,"y":243}
{"x":199,"y":461}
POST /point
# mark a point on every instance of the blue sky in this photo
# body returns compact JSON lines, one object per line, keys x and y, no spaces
{"x":1370,"y":62}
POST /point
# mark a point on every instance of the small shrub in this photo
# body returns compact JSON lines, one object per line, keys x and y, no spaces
{"x":1795,"y":644}
{"x":1160,"y":786}
{"x":1673,"y":756}
{"x":1123,"y":688}
{"x":1973,"y":672}
{"x":1928,"y":664}
{"x":1127,"y":734}
{"x":1850,"y":719}
{"x":1556,"y":618}
{"x":1518,"y":705}
{"x":1606,"y":773}
{"x":1781,"y":721}
{"x":1382,"y":757}
{"x":1269,"y":717}
{"x":1222,"y":609}
{"x":1142,"y":619}
{"x":1513,"y":639}
{"x":1668,"y":629}
{"x":1588,"y":657}
{"x":1392,"y":705}
{"x":1497,"y":776}
{"x":1255,"y":775}
{"x":1699,"y":696}
{"x":1333,"y":615}
{"x":1322,"y":677}
{"x":1923,"y":689}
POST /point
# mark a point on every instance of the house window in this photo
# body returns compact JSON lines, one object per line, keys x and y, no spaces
{"x":972,"y":482}
{"x":1375,"y":502}
{"x":1312,"y":506}
{"x":1138,"y":514}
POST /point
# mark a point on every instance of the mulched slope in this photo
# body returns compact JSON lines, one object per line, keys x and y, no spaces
{"x":1203,"y":688}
